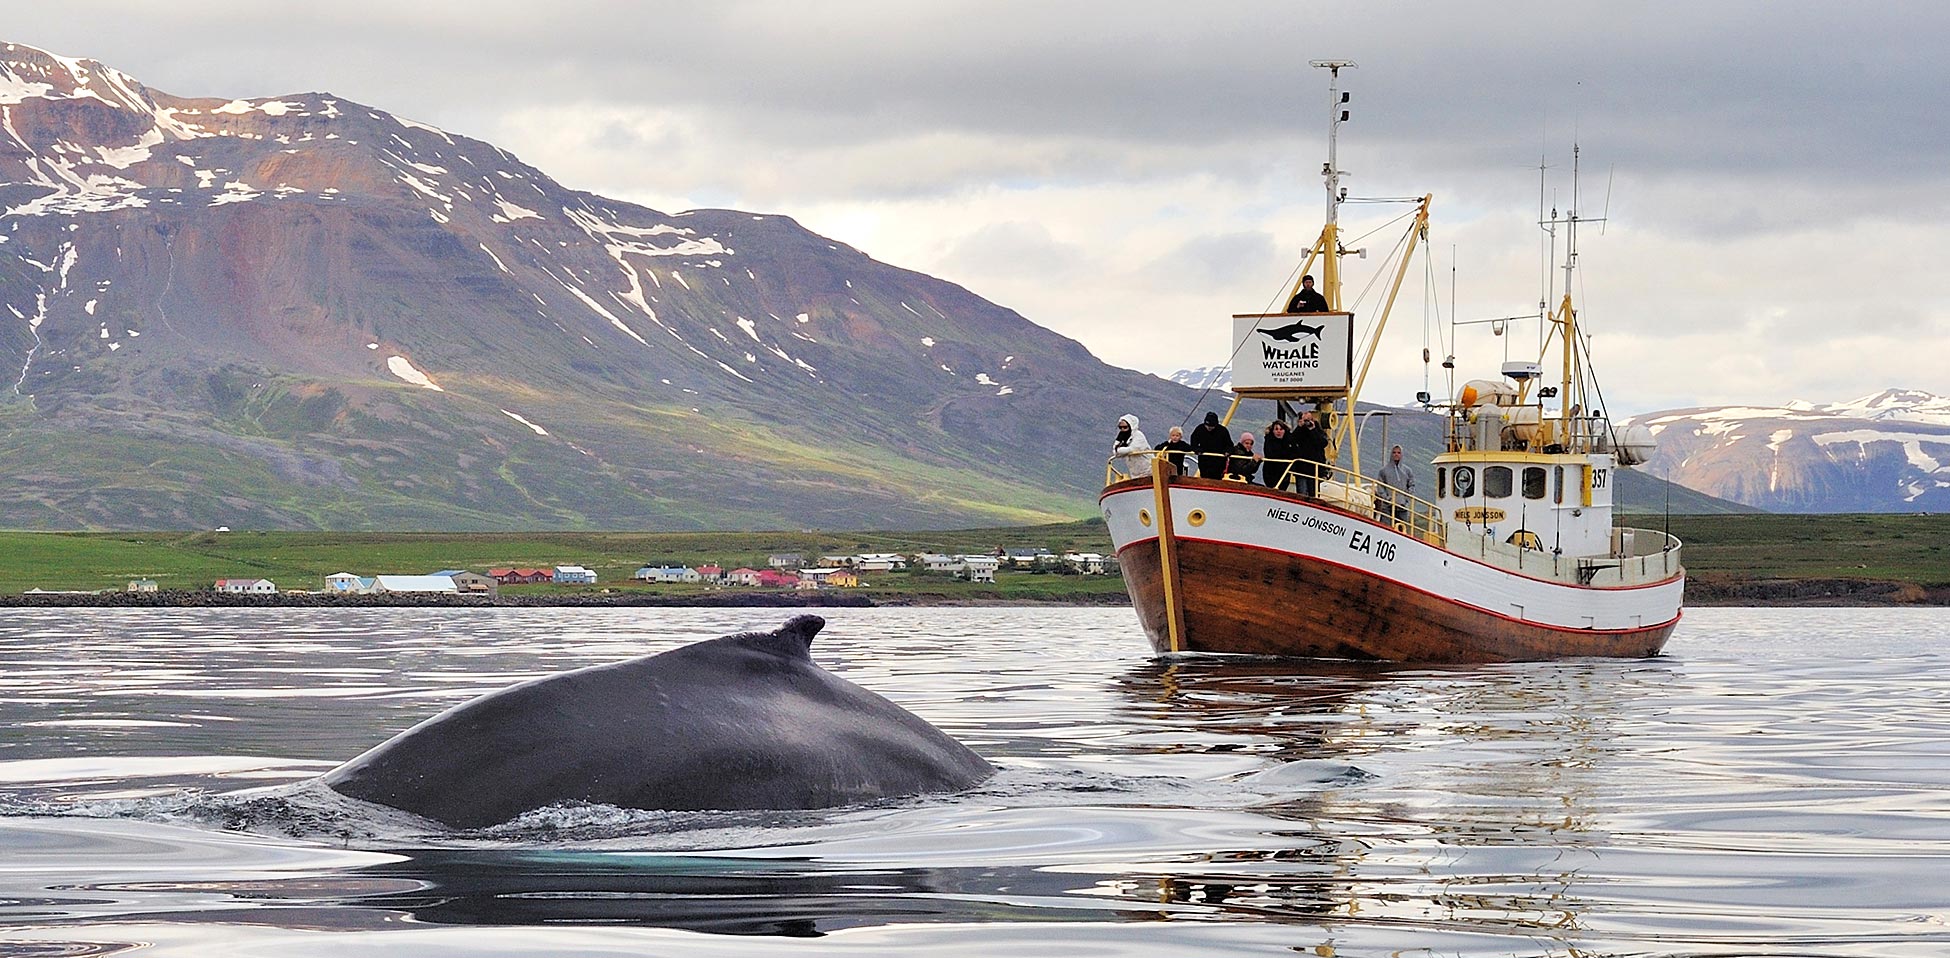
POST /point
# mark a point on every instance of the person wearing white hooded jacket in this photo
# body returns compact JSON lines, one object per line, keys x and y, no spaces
{"x":1132,"y":450}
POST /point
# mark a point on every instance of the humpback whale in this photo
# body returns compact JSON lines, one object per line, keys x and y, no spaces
{"x":745,"y":721}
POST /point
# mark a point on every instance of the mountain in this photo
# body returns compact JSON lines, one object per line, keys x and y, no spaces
{"x":303,"y":312}
{"x":1888,"y":452}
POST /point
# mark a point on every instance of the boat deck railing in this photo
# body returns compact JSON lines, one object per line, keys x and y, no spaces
{"x":1330,"y":483}
{"x":1636,"y":557}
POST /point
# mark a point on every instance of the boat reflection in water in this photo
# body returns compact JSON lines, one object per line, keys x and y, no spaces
{"x":1478,"y":799}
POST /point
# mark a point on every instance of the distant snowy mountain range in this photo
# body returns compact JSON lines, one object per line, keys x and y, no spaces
{"x":1888,"y":452}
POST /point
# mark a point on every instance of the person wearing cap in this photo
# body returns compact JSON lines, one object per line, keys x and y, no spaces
{"x":1308,"y":299}
{"x":1243,"y":464}
{"x":1214,"y":443}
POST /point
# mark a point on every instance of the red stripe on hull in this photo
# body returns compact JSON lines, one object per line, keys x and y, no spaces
{"x":1332,"y":611}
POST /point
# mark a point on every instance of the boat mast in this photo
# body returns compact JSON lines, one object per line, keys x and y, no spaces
{"x":1329,"y":247}
{"x":1567,"y":316}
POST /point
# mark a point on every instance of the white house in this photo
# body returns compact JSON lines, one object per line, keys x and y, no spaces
{"x":346,"y":582}
{"x":247,"y":586}
{"x":936,"y":562}
{"x":667,"y":573}
{"x":979,"y":568}
{"x":573,"y":574}
{"x":1088,"y":563}
{"x":1029,"y":558}
{"x":879,"y":561}
{"x":414,"y":583}
{"x":836,"y":562}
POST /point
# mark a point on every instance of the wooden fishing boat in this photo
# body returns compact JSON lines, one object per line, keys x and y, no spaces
{"x":1516,"y":556}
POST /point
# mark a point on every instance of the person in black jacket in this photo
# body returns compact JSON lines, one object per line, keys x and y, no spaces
{"x":1243,"y":464}
{"x":1310,"y":442}
{"x":1176,"y":447}
{"x":1279,"y":448}
{"x":1308,"y":299}
{"x":1214,"y":444}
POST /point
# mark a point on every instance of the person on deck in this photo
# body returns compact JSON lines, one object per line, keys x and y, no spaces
{"x":1397,"y":481}
{"x":1176,"y":447}
{"x":1131,"y":449}
{"x":1308,"y":299}
{"x":1243,"y":463}
{"x":1279,"y":451}
{"x":1310,"y":442}
{"x":1214,"y":444}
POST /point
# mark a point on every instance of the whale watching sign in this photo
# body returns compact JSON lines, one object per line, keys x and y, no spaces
{"x":1292,"y":353}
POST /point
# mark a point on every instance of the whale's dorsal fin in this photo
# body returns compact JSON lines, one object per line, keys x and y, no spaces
{"x":793,"y":640}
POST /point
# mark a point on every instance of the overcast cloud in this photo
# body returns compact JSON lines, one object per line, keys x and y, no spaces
{"x":1131,"y":173}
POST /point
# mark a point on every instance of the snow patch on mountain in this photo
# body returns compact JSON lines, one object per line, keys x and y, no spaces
{"x":403,"y":368}
{"x":1204,"y":377}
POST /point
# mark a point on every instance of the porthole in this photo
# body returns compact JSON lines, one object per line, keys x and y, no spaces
{"x":1144,"y":517}
{"x":1196,"y":517}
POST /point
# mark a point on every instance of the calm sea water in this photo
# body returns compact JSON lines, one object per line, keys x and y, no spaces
{"x":1777,"y":784}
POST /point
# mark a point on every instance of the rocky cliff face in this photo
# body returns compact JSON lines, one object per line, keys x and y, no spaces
{"x":299,"y":311}
{"x":1889,"y":452}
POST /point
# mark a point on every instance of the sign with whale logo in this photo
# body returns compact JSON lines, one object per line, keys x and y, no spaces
{"x":1292,"y":352}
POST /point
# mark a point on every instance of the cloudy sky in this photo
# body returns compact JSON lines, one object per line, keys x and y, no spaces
{"x":1775,"y":175}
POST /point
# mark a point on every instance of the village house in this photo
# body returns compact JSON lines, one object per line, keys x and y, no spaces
{"x":936,"y":562}
{"x":832,"y":578}
{"x":741,"y":576}
{"x":1028,"y":558}
{"x":710,"y":573}
{"x":879,"y":562}
{"x":413,"y":583}
{"x":472,"y":583}
{"x":775,"y":579}
{"x":786,"y":560}
{"x":978,"y":568}
{"x":141,"y":585}
{"x":348,"y":584}
{"x":247,"y":586}
{"x":519,"y":576}
{"x":1088,"y":563}
{"x":573,"y":575}
{"x":836,"y":561}
{"x":667,"y":573}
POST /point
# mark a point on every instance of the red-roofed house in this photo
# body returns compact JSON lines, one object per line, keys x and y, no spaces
{"x":774,"y":579}
{"x":519,"y":576}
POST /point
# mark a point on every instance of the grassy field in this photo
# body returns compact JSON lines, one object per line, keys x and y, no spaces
{"x":1901,"y":548}
{"x":302,"y":560}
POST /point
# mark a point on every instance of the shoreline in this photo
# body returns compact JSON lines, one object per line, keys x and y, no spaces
{"x":1701,"y":591}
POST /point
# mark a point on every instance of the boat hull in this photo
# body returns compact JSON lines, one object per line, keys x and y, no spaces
{"x":1268,"y":573}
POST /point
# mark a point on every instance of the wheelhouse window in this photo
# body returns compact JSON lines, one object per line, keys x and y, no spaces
{"x":1496,"y":482}
{"x":1441,"y":481}
{"x":1465,"y":482}
{"x":1533,"y":482}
